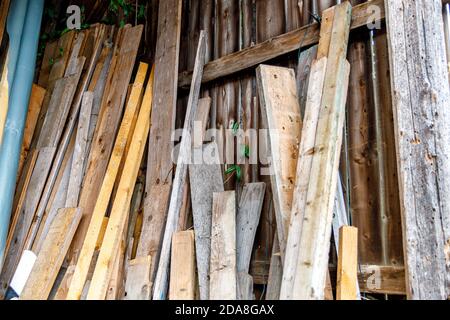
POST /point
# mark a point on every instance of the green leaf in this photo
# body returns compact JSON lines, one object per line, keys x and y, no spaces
{"x":247,"y":151}
{"x":235,"y":127}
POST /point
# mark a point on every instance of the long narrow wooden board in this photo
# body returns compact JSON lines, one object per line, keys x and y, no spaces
{"x":420,"y":96}
{"x":347,"y":271}
{"x":184,"y":158}
{"x":51,"y":256}
{"x":124,"y":134}
{"x":281,"y":112}
{"x":223,"y":247}
{"x":306,"y":153}
{"x":138,"y":284}
{"x":121,"y":204}
{"x":280,"y":45}
{"x":205,"y":179}
{"x":182,"y":266}
{"x":315,"y":235}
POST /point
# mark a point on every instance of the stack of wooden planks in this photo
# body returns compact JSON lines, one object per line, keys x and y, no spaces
{"x":108,"y":207}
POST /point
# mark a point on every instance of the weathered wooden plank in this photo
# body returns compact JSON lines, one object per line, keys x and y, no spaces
{"x":347,"y":280}
{"x":281,"y":110}
{"x":205,"y":178}
{"x":223,"y":247}
{"x":159,"y":167}
{"x":51,"y":256}
{"x":306,"y":153}
{"x":247,"y":220}
{"x":124,"y":134}
{"x":201,"y":122}
{"x":278,"y":46}
{"x":275,"y":277}
{"x":138,"y":284}
{"x":315,"y":231}
{"x":245,"y":286}
{"x":184,"y":157}
{"x":182,"y":266}
{"x":420,"y":91}
{"x":79,"y":155}
{"x":36,"y":100}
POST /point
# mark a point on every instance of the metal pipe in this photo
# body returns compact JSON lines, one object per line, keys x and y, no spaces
{"x":17,"y":111}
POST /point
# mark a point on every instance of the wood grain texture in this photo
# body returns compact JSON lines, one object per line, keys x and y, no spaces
{"x":347,"y":264}
{"x":306,"y":151}
{"x":184,"y":157}
{"x":223,"y":247}
{"x":317,"y":219}
{"x":182,"y":266}
{"x":112,"y":172}
{"x":276,"y":46}
{"x":51,"y":256}
{"x":420,"y":91}
{"x":159,"y":165}
{"x":138,"y":284}
{"x":281,"y":110}
{"x":205,"y":179}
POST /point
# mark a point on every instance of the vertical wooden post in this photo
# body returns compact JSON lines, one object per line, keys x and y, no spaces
{"x":182,"y":269}
{"x":420,"y":90}
{"x":347,"y":273}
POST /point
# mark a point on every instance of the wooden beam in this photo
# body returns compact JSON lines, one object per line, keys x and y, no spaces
{"x":315,"y":232}
{"x":420,"y":91}
{"x":347,"y":264}
{"x":182,"y":267}
{"x":281,"y":112}
{"x":277,"y":46}
{"x":124,"y":134}
{"x":184,"y":158}
{"x":51,"y":256}
{"x":223,"y":247}
{"x":205,"y":179}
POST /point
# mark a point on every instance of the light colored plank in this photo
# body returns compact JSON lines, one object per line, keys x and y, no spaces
{"x":49,"y":260}
{"x":223,"y":247}
{"x":138,"y":284}
{"x":184,"y":157}
{"x":205,"y":179}
{"x":182,"y":266}
{"x":306,"y":152}
{"x":347,"y":278}
{"x":245,"y":286}
{"x":124,"y":134}
{"x":121,"y":204}
{"x":420,"y":92}
{"x":315,"y":232}
{"x":281,"y":113}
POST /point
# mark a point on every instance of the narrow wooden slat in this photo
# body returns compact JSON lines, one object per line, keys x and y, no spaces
{"x":223,"y":247}
{"x":184,"y":157}
{"x":347,"y":264}
{"x":52,"y":254}
{"x":281,"y":111}
{"x":182,"y":267}
{"x":124,"y":134}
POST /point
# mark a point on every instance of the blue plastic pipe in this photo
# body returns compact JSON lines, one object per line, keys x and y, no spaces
{"x":20,"y":91}
{"x":15,"y":25}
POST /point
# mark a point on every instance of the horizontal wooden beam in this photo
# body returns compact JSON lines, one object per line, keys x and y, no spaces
{"x":280,"y":45}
